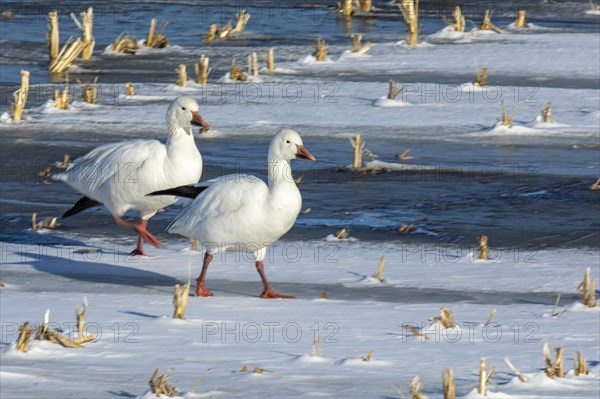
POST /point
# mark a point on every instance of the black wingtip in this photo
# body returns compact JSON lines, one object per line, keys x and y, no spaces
{"x":80,"y":206}
{"x":181,"y":191}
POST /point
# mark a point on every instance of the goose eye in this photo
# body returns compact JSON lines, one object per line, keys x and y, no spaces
{"x":287,"y":141}
{"x":183,"y":108}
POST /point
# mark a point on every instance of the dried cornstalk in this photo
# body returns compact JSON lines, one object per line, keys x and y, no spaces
{"x":125,"y":44}
{"x":560,"y":372}
{"x":342,"y":234}
{"x":449,"y":384}
{"x":481,"y":78}
{"x":508,"y":120}
{"x":393,"y":90}
{"x":199,"y":380}
{"x":593,"y":7}
{"x":45,"y":333}
{"x":356,"y":47}
{"x":80,"y":314}
{"x":271,"y":60}
{"x":415,"y":388}
{"x":490,"y":317}
{"x":66,"y":56}
{"x":511,"y":366}
{"x":368,"y":357}
{"x":89,"y":91}
{"x":347,"y":9}
{"x":180,"y":299}
{"x":404,"y":154}
{"x":410,"y":12}
{"x":356,"y":39}
{"x":520,"y":19}
{"x":406,"y":228}
{"x":7,"y":15}
{"x":20,"y":97}
{"x":25,"y":334}
{"x":359,"y":147}
{"x":320,"y":53}
{"x":547,"y":113}
{"x":212,"y":33}
{"x":195,"y":244}
{"x":596,"y":185}
{"x":61,"y":98}
{"x":237,"y":72}
{"x":459,"y":20}
{"x":580,"y":364}
{"x":48,"y":223}
{"x":554,"y":312}
{"x":181,"y":75}
{"x":130,"y":89}
{"x":65,"y":162}
{"x":316,"y":346}
{"x":365,"y":5}
{"x":159,"y":384}
{"x":490,"y":374}
{"x":554,"y":368}
{"x":150,"y":39}
{"x":53,"y":35}
{"x":324,"y":295}
{"x":588,"y":289}
{"x":446,"y":318}
{"x":487,"y":24}
{"x":202,"y":70}
{"x":253,"y":65}
{"x":82,"y":337}
{"x":18,"y":105}
{"x":482,"y":376}
{"x":86,"y":27}
{"x":225,"y":31}
{"x":46,"y":173}
{"x":156,"y":40}
{"x":415,"y":331}
{"x":379,"y":271}
{"x":484,"y":249}
{"x":240,"y":24}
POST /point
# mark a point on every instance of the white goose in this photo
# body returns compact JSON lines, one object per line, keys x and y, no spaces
{"x":241,"y":213}
{"x":119,"y":175}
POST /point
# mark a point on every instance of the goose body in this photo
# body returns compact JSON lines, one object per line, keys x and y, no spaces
{"x":120,"y":175}
{"x":244,"y":213}
{"x":240,"y":213}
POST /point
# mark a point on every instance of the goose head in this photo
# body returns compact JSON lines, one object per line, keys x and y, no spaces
{"x":287,"y":145}
{"x":183,"y":112}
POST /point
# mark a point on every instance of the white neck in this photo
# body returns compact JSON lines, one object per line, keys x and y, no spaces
{"x":283,"y":192}
{"x":179,"y":135}
{"x":280,"y":173}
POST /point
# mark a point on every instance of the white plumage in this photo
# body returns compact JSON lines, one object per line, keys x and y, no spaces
{"x":120,"y":175}
{"x":243,"y":213}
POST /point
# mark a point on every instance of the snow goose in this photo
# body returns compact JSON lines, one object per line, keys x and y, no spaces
{"x":119,"y":175}
{"x":242,"y":213}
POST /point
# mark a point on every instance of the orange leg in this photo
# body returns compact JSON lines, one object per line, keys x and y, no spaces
{"x":268,"y":292}
{"x":140,"y":230}
{"x":200,"y":288}
{"x":139,"y":250}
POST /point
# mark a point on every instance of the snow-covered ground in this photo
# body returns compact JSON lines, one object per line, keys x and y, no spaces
{"x":130,"y":312}
{"x":440,"y":114}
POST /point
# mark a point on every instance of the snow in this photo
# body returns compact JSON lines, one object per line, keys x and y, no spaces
{"x":131,"y":298}
{"x":385,"y":102}
{"x":461,"y":111}
{"x":130,"y":312}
